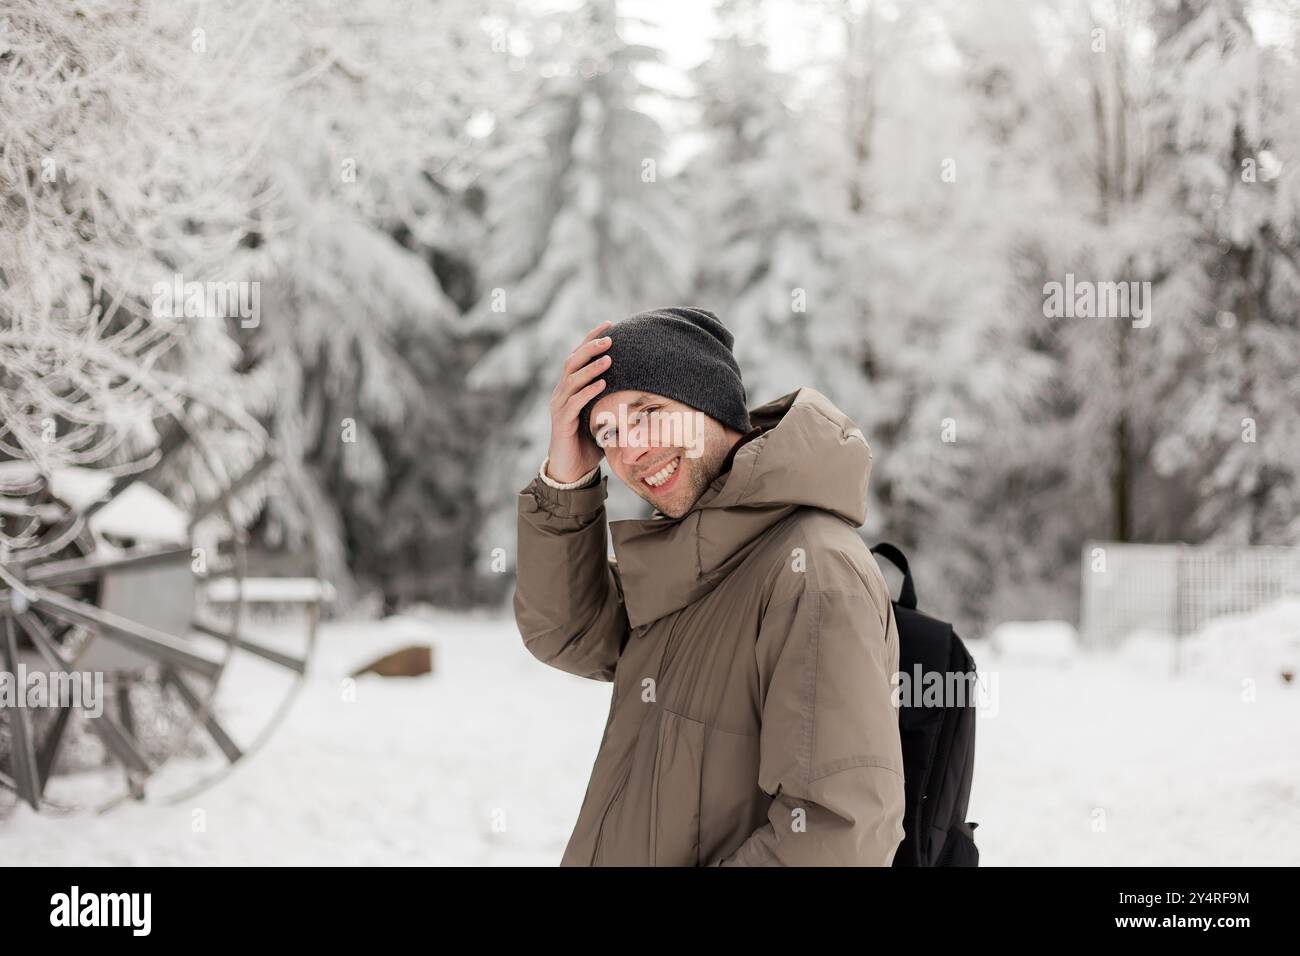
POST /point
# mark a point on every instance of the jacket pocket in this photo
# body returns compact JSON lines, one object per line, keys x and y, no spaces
{"x":675,"y":791}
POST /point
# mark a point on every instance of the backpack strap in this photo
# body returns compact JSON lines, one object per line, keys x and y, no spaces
{"x":907,"y":596}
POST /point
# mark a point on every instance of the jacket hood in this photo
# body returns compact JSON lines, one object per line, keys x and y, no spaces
{"x":810,"y":454}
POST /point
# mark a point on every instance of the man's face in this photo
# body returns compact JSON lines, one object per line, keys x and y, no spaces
{"x":667,"y":452}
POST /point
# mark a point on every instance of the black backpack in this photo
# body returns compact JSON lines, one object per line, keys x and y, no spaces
{"x":938,"y":742}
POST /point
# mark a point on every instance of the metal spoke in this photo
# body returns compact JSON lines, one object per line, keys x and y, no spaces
{"x":214,"y":729}
{"x":80,"y":570}
{"x":125,"y":713}
{"x":150,"y":641}
{"x":25,"y":770}
{"x":53,"y":743}
{"x":207,"y":626}
{"x":114,"y":738}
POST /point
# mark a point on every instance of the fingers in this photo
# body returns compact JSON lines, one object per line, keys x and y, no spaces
{"x":583,"y":353}
{"x":585,"y":374}
{"x":580,"y":384}
{"x":575,"y":386}
{"x":581,"y":397}
{"x":597,"y":330}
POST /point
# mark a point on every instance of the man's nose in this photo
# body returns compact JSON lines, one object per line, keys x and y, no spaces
{"x":635,"y":450}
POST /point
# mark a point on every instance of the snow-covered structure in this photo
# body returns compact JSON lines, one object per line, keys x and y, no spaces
{"x":1177,"y":588}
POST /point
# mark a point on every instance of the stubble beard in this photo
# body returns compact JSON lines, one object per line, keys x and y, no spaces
{"x":699,"y":474}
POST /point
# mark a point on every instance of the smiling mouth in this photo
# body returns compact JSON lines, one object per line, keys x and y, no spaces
{"x":664,"y":475}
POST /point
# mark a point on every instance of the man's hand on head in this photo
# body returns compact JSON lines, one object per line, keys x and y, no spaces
{"x":573,"y":454}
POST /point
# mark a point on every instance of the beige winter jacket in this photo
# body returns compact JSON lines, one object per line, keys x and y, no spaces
{"x":751,"y":644}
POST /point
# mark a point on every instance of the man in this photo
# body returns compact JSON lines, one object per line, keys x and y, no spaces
{"x":746,"y":628}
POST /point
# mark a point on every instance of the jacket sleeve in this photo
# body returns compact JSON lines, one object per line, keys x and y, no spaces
{"x":829,"y":747}
{"x":568,"y":596}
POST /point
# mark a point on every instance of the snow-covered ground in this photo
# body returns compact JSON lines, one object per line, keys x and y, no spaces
{"x":1082,"y":758}
{"x":1110,"y":760}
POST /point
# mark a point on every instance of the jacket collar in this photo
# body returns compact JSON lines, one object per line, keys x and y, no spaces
{"x":802,"y":452}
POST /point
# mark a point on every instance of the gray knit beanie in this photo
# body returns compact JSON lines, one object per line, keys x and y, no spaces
{"x":682,"y":353}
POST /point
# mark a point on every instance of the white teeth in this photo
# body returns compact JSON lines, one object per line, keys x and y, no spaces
{"x":659,"y":477}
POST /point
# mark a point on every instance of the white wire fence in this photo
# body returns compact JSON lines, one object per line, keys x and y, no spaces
{"x":1176,"y":588}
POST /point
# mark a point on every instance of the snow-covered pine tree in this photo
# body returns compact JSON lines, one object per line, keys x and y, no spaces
{"x":1130,"y":155}
{"x":1042,"y":97}
{"x":1228,"y":420}
{"x":357,"y":368}
{"x":583,"y":227}
{"x":927,"y":272}
{"x":770,"y":220}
